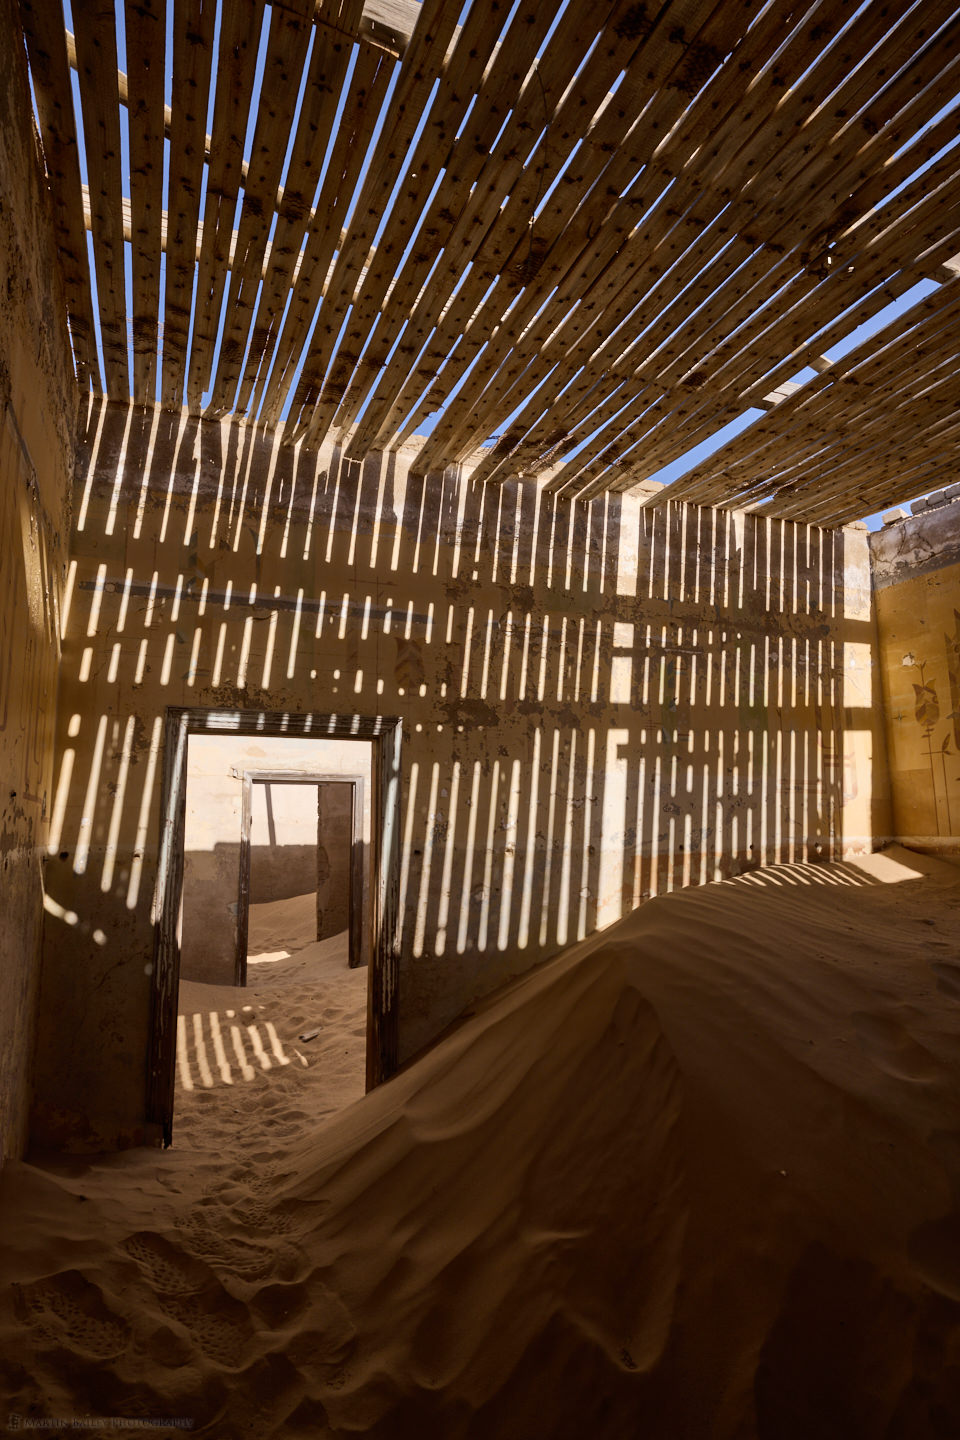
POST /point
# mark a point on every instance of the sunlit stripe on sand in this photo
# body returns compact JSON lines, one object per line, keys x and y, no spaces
{"x":246,"y":1069}
{"x":275,"y":1045}
{"x":261,"y":1045}
{"x":183,"y":1062}
{"x":201,"y":1052}
{"x":220,"y":1055}
{"x":258,"y":1049}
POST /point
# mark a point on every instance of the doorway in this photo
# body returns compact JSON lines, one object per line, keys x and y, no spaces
{"x":368,"y":862}
{"x":334,"y":806}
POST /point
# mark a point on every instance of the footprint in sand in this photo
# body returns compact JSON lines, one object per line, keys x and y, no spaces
{"x":69,"y":1310}
{"x":218,"y":1324}
{"x":948,"y":978}
{"x":166,"y":1268}
{"x":190,"y":1294}
{"x":228,"y":1251}
{"x":892,"y":1047}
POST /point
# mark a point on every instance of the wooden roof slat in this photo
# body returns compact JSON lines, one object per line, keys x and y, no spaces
{"x":145,"y":27}
{"x":460,"y":77}
{"x":498,"y":247}
{"x":510,"y":247}
{"x":616,"y":47}
{"x":100,"y":105}
{"x":639,"y":456}
{"x":623,"y":237}
{"x":573,"y":346}
{"x":613,"y":157}
{"x":874,"y":396}
{"x":327,"y":68}
{"x":240,"y":27}
{"x":421,"y":64}
{"x":901,"y":484}
{"x":875,"y":370}
{"x":838,"y":486}
{"x":495,"y":98}
{"x":735,"y":381}
{"x":46,"y":46}
{"x":544,"y":363}
{"x":666,"y":312}
{"x":577,"y":280}
{"x":670,"y":310}
{"x":864,"y":110}
{"x":367,"y":93}
{"x":384,"y":25}
{"x":768,"y":381}
{"x":193,"y":39}
{"x":289,"y":39}
{"x":782,"y":464}
{"x":434,"y":338}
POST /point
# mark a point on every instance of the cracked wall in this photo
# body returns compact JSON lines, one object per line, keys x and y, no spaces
{"x":599,"y":701}
{"x":37,"y":409}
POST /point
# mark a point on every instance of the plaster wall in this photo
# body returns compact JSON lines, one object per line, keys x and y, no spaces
{"x":286,"y":864}
{"x":284,"y":859}
{"x":37,"y":409}
{"x":600,"y":702}
{"x":917,"y":589}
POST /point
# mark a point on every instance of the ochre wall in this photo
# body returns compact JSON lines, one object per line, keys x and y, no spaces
{"x":599,"y":702}
{"x":37,"y":412}
{"x":917,"y":590}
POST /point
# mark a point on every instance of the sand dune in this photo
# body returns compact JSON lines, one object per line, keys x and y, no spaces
{"x":276,"y":927}
{"x":700,"y":1177}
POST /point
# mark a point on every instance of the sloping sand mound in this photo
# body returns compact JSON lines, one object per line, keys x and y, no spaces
{"x":282,"y":926}
{"x":700,"y":1177}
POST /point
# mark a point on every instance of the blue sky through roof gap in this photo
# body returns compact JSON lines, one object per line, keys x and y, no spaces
{"x":124,"y":110}
{"x":96,"y":305}
{"x":128,"y":301}
{"x":158,"y":373}
{"x":214,"y":64}
{"x":882,"y":319}
{"x":692,"y":458}
{"x":205,"y":399}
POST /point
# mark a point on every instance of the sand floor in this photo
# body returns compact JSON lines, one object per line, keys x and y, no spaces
{"x":242,"y":1066}
{"x":697,"y":1179}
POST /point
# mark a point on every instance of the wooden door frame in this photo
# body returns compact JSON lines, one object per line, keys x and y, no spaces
{"x":385,"y":734}
{"x":248,"y":779}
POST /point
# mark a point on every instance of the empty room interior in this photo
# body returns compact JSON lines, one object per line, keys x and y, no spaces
{"x":480,"y":718}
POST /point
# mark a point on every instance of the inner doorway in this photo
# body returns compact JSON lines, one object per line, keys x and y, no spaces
{"x":328,"y":810}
